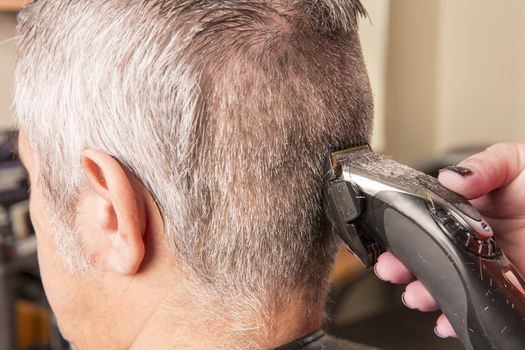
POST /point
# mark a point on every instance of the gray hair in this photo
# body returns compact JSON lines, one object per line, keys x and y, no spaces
{"x":223,"y":109}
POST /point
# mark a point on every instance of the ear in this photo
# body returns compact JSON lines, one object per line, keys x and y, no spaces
{"x":113,"y":215}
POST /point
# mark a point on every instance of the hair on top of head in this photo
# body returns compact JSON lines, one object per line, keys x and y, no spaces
{"x":336,"y":14}
{"x":327,"y":15}
{"x":225,"y":110}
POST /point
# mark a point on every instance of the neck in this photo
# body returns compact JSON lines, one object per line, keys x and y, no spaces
{"x":293,"y":322}
{"x":183,"y":325}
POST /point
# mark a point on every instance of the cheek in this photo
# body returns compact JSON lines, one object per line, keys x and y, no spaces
{"x":58,"y":282}
{"x":47,"y":259}
{"x":45,"y":242}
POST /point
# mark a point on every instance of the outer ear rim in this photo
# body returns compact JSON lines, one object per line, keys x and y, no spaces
{"x":124,"y":247}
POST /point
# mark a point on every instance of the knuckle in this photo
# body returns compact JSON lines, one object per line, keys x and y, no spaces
{"x":502,"y":148}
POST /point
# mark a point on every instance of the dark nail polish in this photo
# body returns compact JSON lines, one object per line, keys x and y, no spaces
{"x":459,"y":170}
{"x":437,"y":333}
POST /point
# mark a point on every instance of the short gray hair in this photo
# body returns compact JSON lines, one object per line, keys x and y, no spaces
{"x":224,"y":110}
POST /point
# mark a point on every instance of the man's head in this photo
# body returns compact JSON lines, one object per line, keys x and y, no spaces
{"x":220,"y":113}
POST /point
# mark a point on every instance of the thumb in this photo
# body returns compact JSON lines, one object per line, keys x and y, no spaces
{"x":494,"y":168}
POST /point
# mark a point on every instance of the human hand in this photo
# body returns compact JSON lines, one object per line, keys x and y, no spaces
{"x":494,"y":182}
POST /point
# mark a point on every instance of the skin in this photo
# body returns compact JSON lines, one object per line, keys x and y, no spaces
{"x":134,"y":296}
{"x":495,"y":188}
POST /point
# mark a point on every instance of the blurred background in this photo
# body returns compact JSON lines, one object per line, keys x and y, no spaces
{"x":448,"y":78}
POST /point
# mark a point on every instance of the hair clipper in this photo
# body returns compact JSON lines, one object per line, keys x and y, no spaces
{"x":377,"y":204}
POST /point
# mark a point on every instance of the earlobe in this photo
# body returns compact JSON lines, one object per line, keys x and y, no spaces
{"x":115,"y":218}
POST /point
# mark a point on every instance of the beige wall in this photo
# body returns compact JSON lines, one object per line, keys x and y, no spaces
{"x":411,"y":78}
{"x":482,"y":72}
{"x":455,"y":75}
{"x":7,"y":64}
{"x":374,"y":39}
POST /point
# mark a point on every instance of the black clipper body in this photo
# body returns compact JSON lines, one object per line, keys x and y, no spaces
{"x":376,"y":204}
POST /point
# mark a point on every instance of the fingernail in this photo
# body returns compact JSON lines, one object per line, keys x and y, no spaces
{"x":436,"y":332}
{"x":458,"y":170}
{"x":377,"y":274}
{"x":404,"y":301}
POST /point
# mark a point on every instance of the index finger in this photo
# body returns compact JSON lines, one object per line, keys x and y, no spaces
{"x":494,"y":168}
